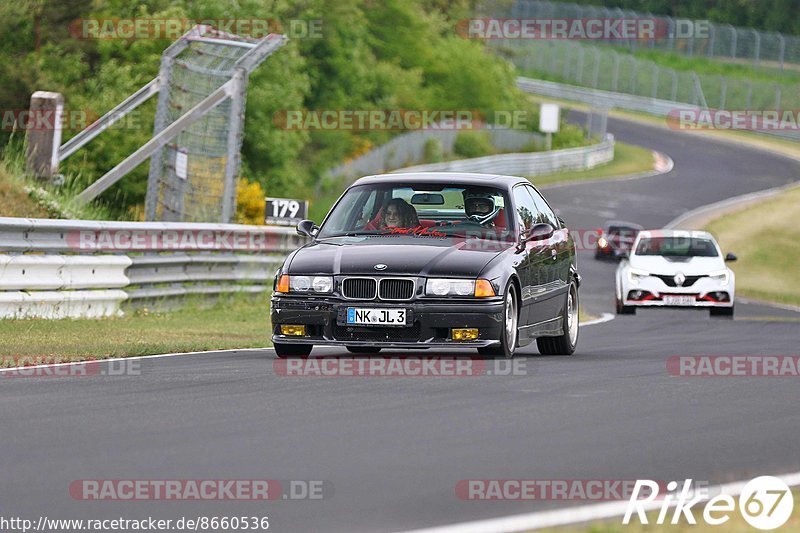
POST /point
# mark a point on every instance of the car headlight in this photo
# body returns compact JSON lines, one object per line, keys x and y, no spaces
{"x":458,"y":287}
{"x":311,"y":284}
{"x":602,"y":242}
{"x":723,"y":276}
{"x":635,"y":275}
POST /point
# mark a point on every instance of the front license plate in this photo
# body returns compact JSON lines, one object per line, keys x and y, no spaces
{"x":370,"y":316}
{"x":678,"y":300}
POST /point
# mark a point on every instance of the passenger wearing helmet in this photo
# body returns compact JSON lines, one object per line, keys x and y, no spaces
{"x":480,"y":207}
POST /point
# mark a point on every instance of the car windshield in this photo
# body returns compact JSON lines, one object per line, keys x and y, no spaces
{"x":419,"y":210}
{"x":677,"y":247}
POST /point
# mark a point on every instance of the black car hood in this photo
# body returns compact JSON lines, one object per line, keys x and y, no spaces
{"x":422,"y":256}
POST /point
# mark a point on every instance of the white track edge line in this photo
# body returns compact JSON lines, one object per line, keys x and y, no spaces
{"x":577,"y":515}
{"x":605,"y":317}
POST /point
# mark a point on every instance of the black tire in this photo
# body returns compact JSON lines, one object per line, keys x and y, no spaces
{"x":507,"y":345}
{"x":292,"y":350}
{"x":723,"y":312}
{"x":565,"y":343}
{"x":362,"y":349}
{"x":625,"y":309}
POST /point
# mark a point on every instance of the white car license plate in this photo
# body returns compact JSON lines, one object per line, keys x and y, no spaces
{"x":678,"y":300}
{"x":388,"y":317}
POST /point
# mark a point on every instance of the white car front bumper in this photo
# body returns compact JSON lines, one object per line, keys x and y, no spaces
{"x":653,"y":292}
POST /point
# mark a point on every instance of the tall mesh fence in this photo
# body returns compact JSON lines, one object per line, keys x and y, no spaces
{"x":723,"y":41}
{"x":604,"y":68}
{"x":191,"y":170}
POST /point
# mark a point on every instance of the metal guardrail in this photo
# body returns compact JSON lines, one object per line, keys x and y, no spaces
{"x":83,"y":268}
{"x":608,"y":99}
{"x":409,"y":148}
{"x":528,"y":164}
{"x":87,"y":268}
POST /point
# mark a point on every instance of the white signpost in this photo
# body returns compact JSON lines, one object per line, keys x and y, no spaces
{"x":549,"y":121}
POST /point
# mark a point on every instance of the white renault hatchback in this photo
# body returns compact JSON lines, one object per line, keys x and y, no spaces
{"x":675,"y":268}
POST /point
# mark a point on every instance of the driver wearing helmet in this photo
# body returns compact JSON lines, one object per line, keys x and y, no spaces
{"x":480,"y":207}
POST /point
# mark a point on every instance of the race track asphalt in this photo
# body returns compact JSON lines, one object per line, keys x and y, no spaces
{"x":394,"y":448}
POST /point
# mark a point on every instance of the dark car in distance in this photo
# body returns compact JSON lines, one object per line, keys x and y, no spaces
{"x":615,"y":239}
{"x":431,"y":260}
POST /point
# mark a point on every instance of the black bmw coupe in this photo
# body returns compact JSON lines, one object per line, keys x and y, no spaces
{"x":428,"y":260}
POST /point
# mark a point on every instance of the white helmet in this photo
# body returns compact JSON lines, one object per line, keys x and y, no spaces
{"x":481,"y":218}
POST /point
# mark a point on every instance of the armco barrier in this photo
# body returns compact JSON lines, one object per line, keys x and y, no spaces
{"x":528,"y":164}
{"x":87,"y":268}
{"x":82,"y":268}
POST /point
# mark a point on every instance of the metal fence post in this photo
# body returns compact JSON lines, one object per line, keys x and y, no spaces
{"x":656,"y":72}
{"x":723,"y":92}
{"x":235,"y":135}
{"x":615,"y":72}
{"x":712,"y":39}
{"x":674,"y":85}
{"x":749,"y":99}
{"x":757,"y":51}
{"x":160,"y":121}
{"x":43,"y":134}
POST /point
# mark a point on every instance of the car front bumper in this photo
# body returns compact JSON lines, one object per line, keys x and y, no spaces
{"x":428,"y":324}
{"x":703,"y":291}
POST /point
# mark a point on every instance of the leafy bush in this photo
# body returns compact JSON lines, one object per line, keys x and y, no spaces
{"x":434,"y":152}
{"x":392,"y":54}
{"x":472,"y":144}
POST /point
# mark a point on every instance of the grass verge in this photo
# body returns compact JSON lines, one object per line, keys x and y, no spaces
{"x":236,"y":321}
{"x":764,"y":237}
{"x":629,"y":159}
{"x":233,"y":322}
{"x":14,"y":200}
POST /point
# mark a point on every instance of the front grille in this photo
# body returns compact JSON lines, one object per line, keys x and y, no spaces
{"x":396,"y":289}
{"x":362,"y":333}
{"x":359,"y":288}
{"x":670,"y":280}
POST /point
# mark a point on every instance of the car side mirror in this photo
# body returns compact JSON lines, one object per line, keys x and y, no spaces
{"x":538,"y":232}
{"x":730,"y":257}
{"x":307,"y":228}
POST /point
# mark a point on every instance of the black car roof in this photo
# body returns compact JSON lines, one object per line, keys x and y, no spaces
{"x":454,"y":178}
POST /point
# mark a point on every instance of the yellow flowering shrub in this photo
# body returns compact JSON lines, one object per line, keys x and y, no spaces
{"x":250,"y":203}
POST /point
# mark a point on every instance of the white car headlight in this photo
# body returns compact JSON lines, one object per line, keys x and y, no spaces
{"x":636,"y":274}
{"x":318,"y":284}
{"x":450,"y":287}
{"x":723,"y":276}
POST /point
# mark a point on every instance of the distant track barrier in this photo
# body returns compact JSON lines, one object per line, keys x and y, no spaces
{"x":528,"y":164}
{"x":87,"y":269}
